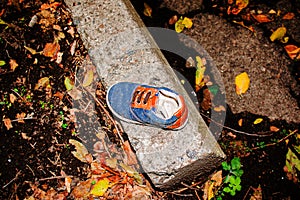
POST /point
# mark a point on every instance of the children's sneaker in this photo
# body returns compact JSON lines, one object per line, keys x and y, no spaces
{"x":158,"y":106}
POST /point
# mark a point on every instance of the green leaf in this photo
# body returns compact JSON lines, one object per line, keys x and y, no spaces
{"x":238,"y":187}
{"x":226,"y":180}
{"x":2,"y":62}
{"x":238,"y":173}
{"x":232,"y":192}
{"x":226,"y":166}
{"x":226,"y":189}
{"x":235,"y":163}
{"x":213,"y":89}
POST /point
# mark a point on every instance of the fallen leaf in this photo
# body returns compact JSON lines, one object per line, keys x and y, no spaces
{"x":100,"y":187}
{"x":51,"y":49}
{"x":278,"y":34}
{"x":190,"y":62}
{"x":206,"y":102}
{"x":258,"y":120}
{"x":219,"y":108}
{"x":7,"y":123}
{"x":274,"y":129}
{"x":130,"y":155}
{"x":13,"y":64}
{"x":68,"y":181}
{"x":231,"y":135}
{"x":68,"y":83}
{"x":261,"y":18}
{"x":293,"y":51}
{"x":272,"y":11}
{"x":242,"y":83}
{"x":2,"y":62}
{"x":82,"y":190}
{"x":2,"y":22}
{"x":239,"y":6}
{"x":210,"y":185}
{"x":80,"y":152}
{"x":73,"y":47}
{"x":111,"y":162}
{"x":132,"y":173}
{"x":20,"y":117}
{"x":32,"y":51}
{"x":71,"y":31}
{"x":250,"y":28}
{"x":288,"y":16}
{"x":173,"y":19}
{"x":42,"y":82}
{"x":75,"y":93}
{"x":88,"y":78}
{"x":199,"y":74}
{"x":53,"y":5}
{"x":187,"y":22}
{"x":147,"y":10}
{"x":12,"y":98}
{"x":240,"y":122}
{"x":179,"y":26}
{"x":257,"y":194}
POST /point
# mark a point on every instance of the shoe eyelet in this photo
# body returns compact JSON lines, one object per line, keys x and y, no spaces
{"x":139,"y":98}
{"x":147,"y":97}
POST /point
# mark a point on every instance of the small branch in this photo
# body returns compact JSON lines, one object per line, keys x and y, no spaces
{"x":259,"y":134}
{"x":20,"y":119}
{"x":54,"y":177}
{"x":279,"y":141}
{"x":12,"y":180}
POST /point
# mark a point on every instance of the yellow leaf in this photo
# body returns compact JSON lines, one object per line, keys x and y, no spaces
{"x":147,"y":10}
{"x":179,"y":26}
{"x":13,"y":64}
{"x":88,"y":78}
{"x":32,"y":51}
{"x":258,"y":120}
{"x":68,"y":83}
{"x":187,"y":22}
{"x":278,"y":34}
{"x":199,"y":83}
{"x":100,"y":187}
{"x":80,"y":152}
{"x":132,"y":173}
{"x":240,"y":122}
{"x":43,"y":82}
{"x":242,"y":83}
{"x":211,"y":185}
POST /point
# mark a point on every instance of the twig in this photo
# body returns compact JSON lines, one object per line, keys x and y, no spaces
{"x":274,"y":143}
{"x":14,"y":120}
{"x":258,"y":134}
{"x":197,"y":195}
{"x":12,"y":180}
{"x":54,"y":177}
{"x":245,"y":196}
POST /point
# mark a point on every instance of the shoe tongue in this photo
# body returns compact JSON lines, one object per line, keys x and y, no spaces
{"x":166,"y":106}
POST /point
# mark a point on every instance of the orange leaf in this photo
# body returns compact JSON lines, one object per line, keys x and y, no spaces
{"x":12,"y":98}
{"x":274,"y":129}
{"x":7,"y":123}
{"x":130,"y":155}
{"x":20,"y":117}
{"x":240,"y":122}
{"x":51,"y":49}
{"x":147,"y":10}
{"x":173,"y":20}
{"x":288,"y":16}
{"x":261,"y":18}
{"x":13,"y":64}
{"x":242,"y":83}
{"x":293,"y":51}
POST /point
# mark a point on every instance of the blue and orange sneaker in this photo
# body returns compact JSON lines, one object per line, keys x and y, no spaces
{"x":149,"y":105}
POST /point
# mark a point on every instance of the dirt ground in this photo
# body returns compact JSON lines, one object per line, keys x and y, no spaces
{"x":37,"y":119}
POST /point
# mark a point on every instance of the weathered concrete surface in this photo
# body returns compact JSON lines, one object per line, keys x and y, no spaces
{"x":237,"y":50}
{"x":122,"y":51}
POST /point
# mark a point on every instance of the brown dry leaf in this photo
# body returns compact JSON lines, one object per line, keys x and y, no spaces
{"x":288,"y":16}
{"x":132,"y":173}
{"x":20,"y":117}
{"x":13,"y":64}
{"x":32,"y":51}
{"x":73,"y":47}
{"x":88,"y":78}
{"x":53,"y":5}
{"x":81,"y":152}
{"x":257,"y":195}
{"x":81,"y":191}
{"x":111,"y":162}
{"x":12,"y":98}
{"x":230,"y":134}
{"x":206,"y":102}
{"x":240,"y":122}
{"x":240,"y":5}
{"x":293,"y":51}
{"x":211,"y":185}
{"x":59,"y":95}
{"x":7,"y":123}
{"x":51,"y":49}
{"x":75,"y":93}
{"x":173,"y":19}
{"x":71,"y":31}
{"x":274,"y":129}
{"x":261,"y":18}
{"x":42,"y":82}
{"x":130,"y":155}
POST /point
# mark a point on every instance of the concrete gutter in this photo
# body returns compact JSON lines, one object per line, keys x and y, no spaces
{"x":123,"y":50}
